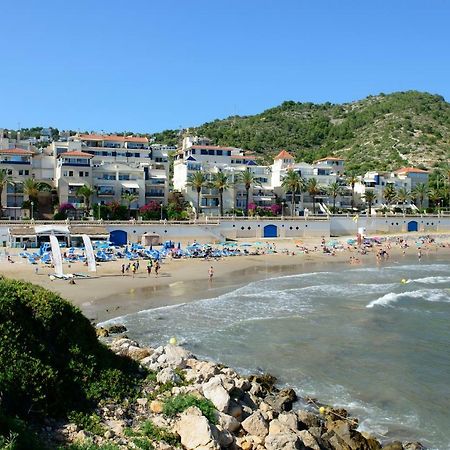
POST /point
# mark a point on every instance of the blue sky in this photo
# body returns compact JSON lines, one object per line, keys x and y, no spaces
{"x":145,"y":65}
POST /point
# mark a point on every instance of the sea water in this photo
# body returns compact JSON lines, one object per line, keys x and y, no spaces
{"x":374,"y":340}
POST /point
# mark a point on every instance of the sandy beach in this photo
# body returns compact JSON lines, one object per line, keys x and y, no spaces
{"x":107,"y":294}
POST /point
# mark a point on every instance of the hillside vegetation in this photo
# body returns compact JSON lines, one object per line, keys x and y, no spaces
{"x":381,"y":132}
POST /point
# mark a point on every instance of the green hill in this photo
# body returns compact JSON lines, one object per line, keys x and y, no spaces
{"x":380,"y":132}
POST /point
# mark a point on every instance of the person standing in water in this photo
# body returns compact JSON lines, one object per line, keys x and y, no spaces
{"x":211,"y":273}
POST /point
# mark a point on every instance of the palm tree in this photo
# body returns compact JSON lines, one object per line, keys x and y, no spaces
{"x":352,"y":179}
{"x":129,"y":198}
{"x":435,"y":196}
{"x":369,"y":197}
{"x":293,"y":183}
{"x":313,"y":188}
{"x":389,"y":193}
{"x":4,"y":180}
{"x":403,"y":195}
{"x":419,"y":192}
{"x":86,"y":192}
{"x":31,"y":187}
{"x":248,"y":179}
{"x":220,"y":182}
{"x":197,"y":181}
{"x":334,"y":189}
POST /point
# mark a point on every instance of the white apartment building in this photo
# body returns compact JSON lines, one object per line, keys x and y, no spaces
{"x":212,"y":159}
{"x":112,"y":165}
{"x":407,"y":178}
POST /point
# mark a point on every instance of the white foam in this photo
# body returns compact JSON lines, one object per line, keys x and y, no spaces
{"x":428,"y":295}
{"x":432,"y":280}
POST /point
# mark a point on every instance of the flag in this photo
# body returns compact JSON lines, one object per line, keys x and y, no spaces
{"x":355,"y":219}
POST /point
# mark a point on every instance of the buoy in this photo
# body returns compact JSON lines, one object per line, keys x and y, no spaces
{"x":173,"y":340}
{"x":404,"y":281}
{"x":322,"y":410}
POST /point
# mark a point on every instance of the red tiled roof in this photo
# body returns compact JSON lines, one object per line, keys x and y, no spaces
{"x":284,"y":155}
{"x":112,"y":137}
{"x":76,"y":153}
{"x":15,"y":151}
{"x":410,"y":170}
{"x":330,"y":158}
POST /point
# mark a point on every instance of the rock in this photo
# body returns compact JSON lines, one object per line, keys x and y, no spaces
{"x":156,"y":406}
{"x":256,"y":425}
{"x":167,"y":375}
{"x":308,"y":420}
{"x":195,"y":431}
{"x":116,"y":329}
{"x":116,"y":426}
{"x":228,"y":422}
{"x":214,"y":391}
{"x":266,"y":381}
{"x":108,"y":434}
{"x":242,"y":383}
{"x":138,"y":353}
{"x":82,"y":435}
{"x":413,"y":446}
{"x":281,"y":401}
{"x":289,"y":420}
{"x":174,"y":356}
{"x":395,"y":445}
{"x":308,"y":440}
{"x":101,"y":332}
{"x":225,"y":438}
{"x":142,"y":401}
{"x":341,"y":433}
{"x":246,"y":445}
{"x":282,"y":441}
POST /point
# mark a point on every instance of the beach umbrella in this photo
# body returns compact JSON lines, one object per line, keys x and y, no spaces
{"x":246,"y":244}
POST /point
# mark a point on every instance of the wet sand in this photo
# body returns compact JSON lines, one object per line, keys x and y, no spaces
{"x":108,"y":294}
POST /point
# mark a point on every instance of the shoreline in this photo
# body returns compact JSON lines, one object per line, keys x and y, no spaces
{"x":108,"y":294}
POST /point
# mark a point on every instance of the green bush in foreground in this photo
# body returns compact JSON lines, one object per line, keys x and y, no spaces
{"x":181,"y":402}
{"x":50,"y":359}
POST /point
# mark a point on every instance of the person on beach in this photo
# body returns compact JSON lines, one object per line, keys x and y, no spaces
{"x":123,"y":269}
{"x":157,"y":266}
{"x":149,"y":267}
{"x":419,"y":254}
{"x":211,"y":273}
{"x":133,"y":269}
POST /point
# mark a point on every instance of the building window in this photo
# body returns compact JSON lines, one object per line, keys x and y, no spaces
{"x":27,"y":172}
{"x":203,"y":152}
{"x":65,"y":173}
{"x":81,"y":174}
{"x":20,"y":172}
{"x":86,"y":174}
{"x":70,"y":173}
{"x":193,"y":151}
{"x":219,"y":153}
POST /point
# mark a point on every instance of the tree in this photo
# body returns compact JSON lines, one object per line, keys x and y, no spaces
{"x":293,"y":183}
{"x":31,"y":187}
{"x":313,"y":188}
{"x":419,"y":192}
{"x":248,"y":179}
{"x":334,"y":189}
{"x":389,"y":193}
{"x":86,"y":192}
{"x":435,"y":196}
{"x":4,"y":180}
{"x":369,"y":197}
{"x":403,"y":195}
{"x":129,"y":198}
{"x":352,"y":179}
{"x":220,"y":182}
{"x":197,"y":181}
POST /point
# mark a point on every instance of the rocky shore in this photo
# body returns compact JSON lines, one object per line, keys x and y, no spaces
{"x":198,"y":405}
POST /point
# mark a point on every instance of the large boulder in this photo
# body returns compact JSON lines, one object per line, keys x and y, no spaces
{"x":281,"y":401}
{"x":308,"y":420}
{"x":228,"y":422}
{"x":195,"y":431}
{"x":167,"y":375}
{"x":174,"y":356}
{"x":282,"y":441}
{"x":214,"y":391}
{"x":341,"y":434}
{"x":256,"y":425}
{"x":308,"y":440}
{"x":395,"y":445}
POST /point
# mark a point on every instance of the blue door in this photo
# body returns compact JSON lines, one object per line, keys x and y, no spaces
{"x":118,"y":237}
{"x":270,"y":231}
{"x":413,"y":226}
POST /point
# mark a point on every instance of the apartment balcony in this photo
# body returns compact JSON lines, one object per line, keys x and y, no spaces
{"x":158,"y":194}
{"x":23,"y":161}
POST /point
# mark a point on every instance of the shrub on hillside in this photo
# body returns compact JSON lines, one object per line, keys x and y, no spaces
{"x":50,"y":359}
